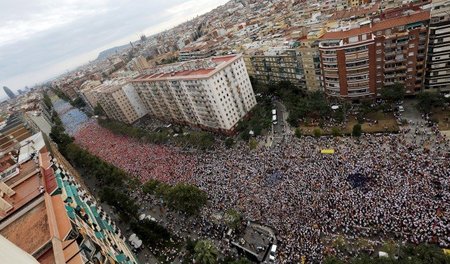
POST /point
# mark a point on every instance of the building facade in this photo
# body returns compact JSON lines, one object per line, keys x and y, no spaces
{"x":309,"y":50}
{"x":121,"y":102}
{"x":437,"y":77}
{"x":212,"y":94}
{"x":139,"y":64}
{"x":360,"y":61}
{"x":88,"y":94}
{"x":276,"y":65}
{"x":45,"y":212}
{"x":8,"y":92}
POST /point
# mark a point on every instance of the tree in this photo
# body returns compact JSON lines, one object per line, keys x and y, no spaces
{"x":393,"y":93}
{"x":78,"y":102}
{"x":186,"y":198}
{"x":151,"y":233}
{"x":150,"y":186}
{"x":240,"y":261}
{"x":229,"y":142}
{"x":317,"y":132}
{"x":253,"y":143}
{"x":205,"y":252}
{"x":428,"y":100}
{"x":98,"y":110}
{"x":298,"y":132}
{"x":336,"y":131}
{"x":332,"y":260}
{"x":233,"y":219}
{"x":357,"y":130}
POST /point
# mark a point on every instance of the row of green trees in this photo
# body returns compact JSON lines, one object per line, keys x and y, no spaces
{"x":429,"y":100}
{"x":300,"y":103}
{"x":181,"y":197}
{"x":114,"y":182}
{"x":204,"y":252}
{"x":197,"y":139}
{"x":260,"y":118}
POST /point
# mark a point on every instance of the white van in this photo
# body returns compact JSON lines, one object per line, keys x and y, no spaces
{"x":274,"y":111}
{"x":272,"y":252}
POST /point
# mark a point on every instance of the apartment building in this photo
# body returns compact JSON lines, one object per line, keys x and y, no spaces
{"x":359,"y":61}
{"x":345,"y":62}
{"x":356,"y":3}
{"x":139,"y":64}
{"x":437,"y":77}
{"x":402,"y":43}
{"x":276,"y":65}
{"x":309,"y":50}
{"x":197,"y":50}
{"x":87,"y":93}
{"x":120,"y":101}
{"x":212,"y":94}
{"x":49,"y":216}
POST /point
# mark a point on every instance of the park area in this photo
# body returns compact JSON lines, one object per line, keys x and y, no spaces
{"x":375,"y":122}
{"x":442,"y":117}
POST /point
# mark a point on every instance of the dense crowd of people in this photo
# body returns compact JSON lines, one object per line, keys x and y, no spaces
{"x":144,"y":161}
{"x":375,"y":187}
{"x":71,"y":117}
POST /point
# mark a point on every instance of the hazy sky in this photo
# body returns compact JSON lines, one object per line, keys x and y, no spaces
{"x":42,"y":38}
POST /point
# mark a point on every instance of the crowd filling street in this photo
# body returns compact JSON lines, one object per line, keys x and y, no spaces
{"x":401,"y":190}
{"x":376,"y":187}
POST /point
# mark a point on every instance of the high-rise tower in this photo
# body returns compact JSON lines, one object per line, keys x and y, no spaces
{"x":8,"y":91}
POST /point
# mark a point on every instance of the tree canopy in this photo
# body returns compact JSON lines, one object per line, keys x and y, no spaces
{"x":186,"y":198}
{"x":393,"y":93}
{"x":205,"y":252}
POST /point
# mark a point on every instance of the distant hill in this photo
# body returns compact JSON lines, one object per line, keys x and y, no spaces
{"x":106,"y":53}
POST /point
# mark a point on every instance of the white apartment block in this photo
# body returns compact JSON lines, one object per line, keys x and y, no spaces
{"x":213,"y":93}
{"x":121,"y":102}
{"x":139,"y":64}
{"x":88,"y":94}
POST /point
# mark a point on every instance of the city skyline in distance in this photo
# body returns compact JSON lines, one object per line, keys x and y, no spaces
{"x":46,"y":39}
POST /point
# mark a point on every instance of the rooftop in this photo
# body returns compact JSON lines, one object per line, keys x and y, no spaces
{"x":379,"y":25}
{"x":196,"y":69}
{"x":31,"y":231}
{"x":26,"y":186}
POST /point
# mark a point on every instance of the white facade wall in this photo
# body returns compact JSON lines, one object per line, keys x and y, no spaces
{"x":217,"y":100}
{"x":135,"y":100}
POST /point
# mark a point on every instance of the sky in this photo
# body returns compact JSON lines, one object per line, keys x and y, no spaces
{"x":42,"y":39}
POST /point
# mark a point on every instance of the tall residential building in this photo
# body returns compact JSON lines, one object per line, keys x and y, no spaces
{"x":276,"y":65}
{"x":197,"y":50}
{"x":438,"y":63}
{"x":139,"y":64}
{"x":8,"y":92}
{"x":309,"y":50}
{"x":120,"y":101}
{"x":356,"y":3}
{"x":213,"y":93}
{"x":87,"y":93}
{"x":47,"y":214}
{"x":359,"y":61}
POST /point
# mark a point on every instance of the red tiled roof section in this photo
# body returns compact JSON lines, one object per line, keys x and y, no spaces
{"x":398,"y":21}
{"x":346,"y":34}
{"x":223,"y":58}
{"x":31,"y":231}
{"x":355,"y":12}
{"x":187,"y":73}
{"x":381,"y":25}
